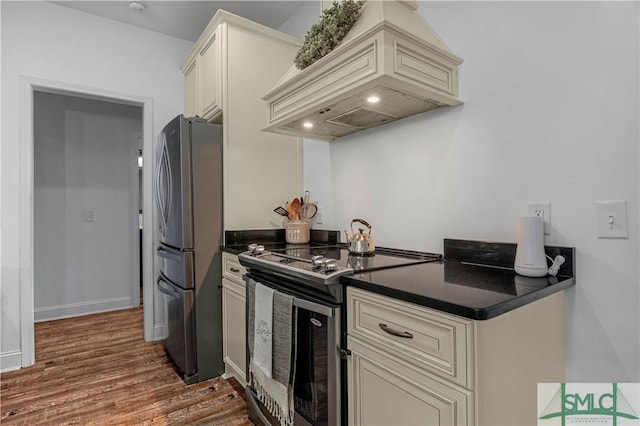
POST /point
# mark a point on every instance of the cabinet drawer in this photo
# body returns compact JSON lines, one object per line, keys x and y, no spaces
{"x":429,"y":339}
{"x":231,"y":267}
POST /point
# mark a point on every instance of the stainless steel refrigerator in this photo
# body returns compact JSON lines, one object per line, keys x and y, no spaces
{"x":188,"y":193}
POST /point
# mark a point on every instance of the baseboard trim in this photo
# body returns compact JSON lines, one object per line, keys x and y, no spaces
{"x":10,"y":361}
{"x":49,"y":313}
{"x":232,"y":371}
{"x":158,"y":332}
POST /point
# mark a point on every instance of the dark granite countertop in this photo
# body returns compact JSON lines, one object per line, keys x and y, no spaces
{"x":476,"y":280}
{"x":236,"y":242}
{"x":460,"y":286}
{"x":239,"y":248}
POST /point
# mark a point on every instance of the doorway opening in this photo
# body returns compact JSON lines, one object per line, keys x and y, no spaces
{"x":86,"y":205}
{"x":30,"y":89}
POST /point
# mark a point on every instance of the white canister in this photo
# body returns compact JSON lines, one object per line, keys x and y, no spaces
{"x":530,"y":257}
{"x":296,"y":231}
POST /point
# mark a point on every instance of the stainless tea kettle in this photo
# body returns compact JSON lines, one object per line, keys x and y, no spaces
{"x":360,"y":243}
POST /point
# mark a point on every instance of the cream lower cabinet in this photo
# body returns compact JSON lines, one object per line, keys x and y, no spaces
{"x":234,"y":338}
{"x":230,"y":67}
{"x":384,"y":391}
{"x":411,"y":365}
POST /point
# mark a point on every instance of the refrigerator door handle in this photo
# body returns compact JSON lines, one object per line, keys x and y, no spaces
{"x":159,"y":191}
{"x":163,"y":183}
{"x":162,"y":286}
{"x":169,"y":254}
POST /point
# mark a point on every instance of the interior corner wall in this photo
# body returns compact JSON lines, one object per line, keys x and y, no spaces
{"x":45,"y":41}
{"x":551,"y":113}
{"x":316,"y":154}
{"x":85,"y":163}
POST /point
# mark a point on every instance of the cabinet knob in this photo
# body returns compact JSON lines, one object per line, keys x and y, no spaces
{"x":234,"y":270}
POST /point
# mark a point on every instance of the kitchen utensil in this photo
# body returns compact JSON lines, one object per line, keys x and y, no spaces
{"x":360,"y":243}
{"x":281,"y":211}
{"x":307,"y":194}
{"x":308,"y":211}
{"x":295,"y":209}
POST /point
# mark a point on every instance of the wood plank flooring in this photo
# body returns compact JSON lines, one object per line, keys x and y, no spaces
{"x":98,"y":370}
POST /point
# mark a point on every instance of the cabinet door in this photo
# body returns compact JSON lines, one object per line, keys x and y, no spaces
{"x":383,"y":391}
{"x":234,"y":333}
{"x":191,"y":101}
{"x":210,"y":77}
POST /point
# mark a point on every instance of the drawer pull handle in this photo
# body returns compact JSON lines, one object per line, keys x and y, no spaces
{"x":404,"y":334}
{"x":234,"y":270}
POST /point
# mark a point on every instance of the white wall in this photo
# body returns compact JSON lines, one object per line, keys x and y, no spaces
{"x":316,"y":161}
{"x":45,"y":41}
{"x":85,"y":160}
{"x":551,"y":114}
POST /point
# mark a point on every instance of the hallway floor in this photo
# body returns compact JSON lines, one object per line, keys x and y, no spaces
{"x":98,"y":370}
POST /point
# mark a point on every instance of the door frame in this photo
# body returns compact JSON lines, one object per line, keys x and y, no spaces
{"x":29,"y":85}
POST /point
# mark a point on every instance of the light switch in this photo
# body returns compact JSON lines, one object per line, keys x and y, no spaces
{"x":611,"y":217}
{"x":90,"y":216}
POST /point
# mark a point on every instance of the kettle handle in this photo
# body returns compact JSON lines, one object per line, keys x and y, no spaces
{"x":362,"y":221}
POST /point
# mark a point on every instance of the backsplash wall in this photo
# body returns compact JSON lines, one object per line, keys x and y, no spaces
{"x":551,"y":114}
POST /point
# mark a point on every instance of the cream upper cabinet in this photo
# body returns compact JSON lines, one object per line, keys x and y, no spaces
{"x":210,"y":78}
{"x":191,"y":102}
{"x":203,"y":80}
{"x":410,"y":364}
{"x":234,"y":335}
{"x":233,"y":63}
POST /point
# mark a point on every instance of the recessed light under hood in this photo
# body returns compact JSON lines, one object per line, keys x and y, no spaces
{"x":390,"y":53}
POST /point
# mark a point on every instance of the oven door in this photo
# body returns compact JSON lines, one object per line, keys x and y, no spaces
{"x":316,"y":383}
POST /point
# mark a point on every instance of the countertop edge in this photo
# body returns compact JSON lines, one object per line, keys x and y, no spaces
{"x":233,"y":250}
{"x":469,"y":312}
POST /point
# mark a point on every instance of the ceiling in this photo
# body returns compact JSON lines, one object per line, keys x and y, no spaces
{"x":187,"y":19}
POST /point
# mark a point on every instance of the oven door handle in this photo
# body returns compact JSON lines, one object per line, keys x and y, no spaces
{"x":301,"y":303}
{"x":313,"y":307}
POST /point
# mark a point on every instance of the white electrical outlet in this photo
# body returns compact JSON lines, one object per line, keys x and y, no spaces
{"x":542,"y":209}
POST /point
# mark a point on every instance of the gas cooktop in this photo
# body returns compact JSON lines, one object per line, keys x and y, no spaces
{"x":326,"y":264}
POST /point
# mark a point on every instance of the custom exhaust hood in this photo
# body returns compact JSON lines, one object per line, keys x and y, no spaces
{"x":389,"y":66}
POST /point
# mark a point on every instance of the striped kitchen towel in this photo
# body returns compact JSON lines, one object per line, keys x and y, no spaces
{"x":274,"y":388}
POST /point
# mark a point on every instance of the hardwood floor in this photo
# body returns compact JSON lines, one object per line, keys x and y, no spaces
{"x":98,"y":370}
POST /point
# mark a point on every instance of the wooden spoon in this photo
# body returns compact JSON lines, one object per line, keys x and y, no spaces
{"x":295,"y":209}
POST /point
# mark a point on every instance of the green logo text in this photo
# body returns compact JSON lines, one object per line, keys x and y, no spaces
{"x":612,"y":404}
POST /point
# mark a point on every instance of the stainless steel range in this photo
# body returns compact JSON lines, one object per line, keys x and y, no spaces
{"x":311,"y":274}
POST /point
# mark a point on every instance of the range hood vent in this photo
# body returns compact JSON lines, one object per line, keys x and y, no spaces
{"x":391,"y":54}
{"x":361,"y":118}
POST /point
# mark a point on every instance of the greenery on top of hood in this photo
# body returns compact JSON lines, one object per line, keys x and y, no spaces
{"x":326,"y":34}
